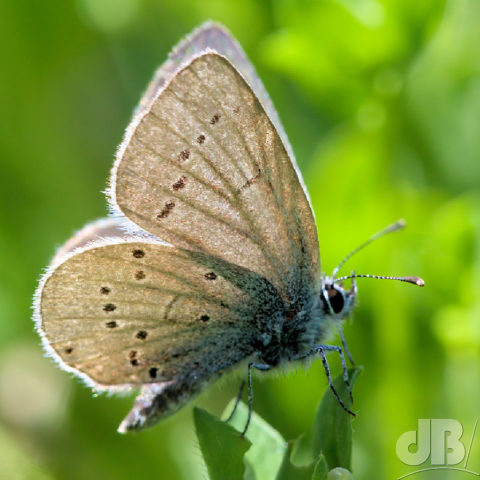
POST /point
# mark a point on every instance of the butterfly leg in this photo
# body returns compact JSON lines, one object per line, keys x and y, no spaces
{"x":237,"y":401}
{"x":321,"y":349}
{"x":345,"y":347}
{"x":336,"y":348}
{"x":259,"y":366}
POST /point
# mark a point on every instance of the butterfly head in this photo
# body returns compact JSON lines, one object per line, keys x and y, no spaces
{"x":337,"y":301}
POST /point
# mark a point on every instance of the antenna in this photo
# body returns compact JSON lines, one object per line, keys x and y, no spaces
{"x":398,"y":225}
{"x":414,"y":280}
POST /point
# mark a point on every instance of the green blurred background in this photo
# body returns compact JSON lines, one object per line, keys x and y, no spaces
{"x":381,"y":101}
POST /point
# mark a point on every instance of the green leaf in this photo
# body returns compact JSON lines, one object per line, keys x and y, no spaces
{"x":302,"y":452}
{"x":221,"y":445}
{"x":265,"y":457}
{"x":328,"y":444}
{"x":321,"y":469}
{"x":332,"y":429}
{"x":290,"y":471}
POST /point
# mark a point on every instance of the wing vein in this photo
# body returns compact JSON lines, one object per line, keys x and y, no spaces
{"x":249,"y":154}
{"x":271,"y":259}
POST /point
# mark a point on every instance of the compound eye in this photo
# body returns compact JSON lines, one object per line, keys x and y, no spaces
{"x":335,"y":297}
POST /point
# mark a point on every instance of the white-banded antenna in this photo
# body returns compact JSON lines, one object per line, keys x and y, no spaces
{"x":414,"y":280}
{"x":398,"y":225}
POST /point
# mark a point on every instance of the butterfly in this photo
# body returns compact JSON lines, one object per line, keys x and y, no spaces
{"x":210,"y":258}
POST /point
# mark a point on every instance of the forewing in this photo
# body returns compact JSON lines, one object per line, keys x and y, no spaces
{"x":136,"y":313}
{"x":213,"y":36}
{"x":205,"y":169}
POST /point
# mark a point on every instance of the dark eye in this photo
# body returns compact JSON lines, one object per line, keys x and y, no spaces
{"x":336,"y":299}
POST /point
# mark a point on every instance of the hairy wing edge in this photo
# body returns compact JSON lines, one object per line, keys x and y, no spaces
{"x":110,"y":191}
{"x":178,"y":57}
{"x":37,"y":314}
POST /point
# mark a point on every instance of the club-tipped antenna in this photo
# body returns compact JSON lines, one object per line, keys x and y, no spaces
{"x":414,"y":280}
{"x":398,"y":225}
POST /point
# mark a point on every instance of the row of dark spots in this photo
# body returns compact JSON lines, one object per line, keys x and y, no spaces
{"x":141,"y":334}
{"x":139,"y":275}
{"x":152,"y":372}
{"x":208,"y":276}
{"x":110,"y":307}
{"x":185,"y":154}
{"x":180,"y":183}
{"x":132,"y":356}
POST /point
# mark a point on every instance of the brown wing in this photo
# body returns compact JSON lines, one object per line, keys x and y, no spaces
{"x":205,"y":169}
{"x":213,"y":36}
{"x":138,"y":313}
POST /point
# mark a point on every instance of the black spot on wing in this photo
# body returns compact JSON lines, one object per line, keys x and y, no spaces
{"x":214,"y":119}
{"x":140,"y":275}
{"x":141,"y":334}
{"x":180,"y":183}
{"x":169,"y":206}
{"x":184,"y":155}
{"x":109,"y":307}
